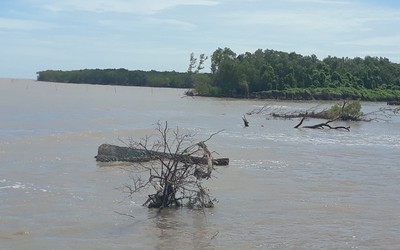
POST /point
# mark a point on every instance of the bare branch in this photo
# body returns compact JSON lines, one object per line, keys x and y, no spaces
{"x":177,"y":165}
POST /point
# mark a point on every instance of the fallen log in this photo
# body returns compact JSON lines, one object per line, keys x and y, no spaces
{"x":108,"y":153}
{"x":320,"y":125}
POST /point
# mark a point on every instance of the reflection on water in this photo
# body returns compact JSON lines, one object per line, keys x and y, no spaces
{"x":284,"y":189}
{"x":179,"y":229}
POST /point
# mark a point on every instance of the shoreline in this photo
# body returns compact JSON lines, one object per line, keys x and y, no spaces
{"x":295,"y":94}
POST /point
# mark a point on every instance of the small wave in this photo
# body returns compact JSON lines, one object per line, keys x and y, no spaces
{"x":261,"y":164}
{"x":22,"y":186}
{"x":15,"y":186}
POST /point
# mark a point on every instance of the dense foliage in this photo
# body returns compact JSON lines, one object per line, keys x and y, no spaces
{"x":275,"y":74}
{"x":262,"y":74}
{"x":119,"y":77}
{"x":345,"y":111}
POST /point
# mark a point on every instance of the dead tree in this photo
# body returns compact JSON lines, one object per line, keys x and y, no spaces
{"x":320,"y":125}
{"x":344,"y":111}
{"x":245,"y":121}
{"x":176,"y":178}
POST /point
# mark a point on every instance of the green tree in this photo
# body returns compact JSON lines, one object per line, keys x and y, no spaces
{"x":346,"y":111}
{"x":219,"y":56}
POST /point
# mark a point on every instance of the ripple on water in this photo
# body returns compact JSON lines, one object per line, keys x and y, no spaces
{"x":260,"y":164}
{"x":5,"y":184}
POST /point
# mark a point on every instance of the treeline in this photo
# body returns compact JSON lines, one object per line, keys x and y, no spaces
{"x":262,"y":74}
{"x":276,"y":74}
{"x":122,"y":77}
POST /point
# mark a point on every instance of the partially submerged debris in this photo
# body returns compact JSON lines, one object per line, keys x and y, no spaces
{"x":342,"y":111}
{"x":171,"y":164}
{"x":321,"y":125}
{"x":346,"y":111}
{"x":245,"y":121}
{"x":109,"y":153}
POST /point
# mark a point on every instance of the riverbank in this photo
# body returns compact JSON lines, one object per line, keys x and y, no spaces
{"x":341,"y":93}
{"x":327,"y":94}
{"x":318,"y":93}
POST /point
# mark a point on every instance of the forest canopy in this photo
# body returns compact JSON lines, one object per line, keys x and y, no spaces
{"x":262,"y":74}
{"x":121,"y":76}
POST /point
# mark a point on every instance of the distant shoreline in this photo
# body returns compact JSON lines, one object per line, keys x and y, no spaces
{"x":318,"y":94}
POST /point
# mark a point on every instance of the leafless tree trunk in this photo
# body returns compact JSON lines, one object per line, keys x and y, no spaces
{"x":176,"y":178}
{"x":320,"y":125}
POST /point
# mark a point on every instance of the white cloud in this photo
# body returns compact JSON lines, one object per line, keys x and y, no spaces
{"x":339,"y":17}
{"x":335,"y":2}
{"x":20,"y":24}
{"x":123,"y":6}
{"x":173,"y":22}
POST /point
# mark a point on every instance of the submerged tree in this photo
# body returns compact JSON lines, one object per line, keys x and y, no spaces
{"x":177,"y":166}
{"x":345,"y":111}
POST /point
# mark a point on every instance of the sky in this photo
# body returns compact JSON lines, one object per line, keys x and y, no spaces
{"x":38,"y":35}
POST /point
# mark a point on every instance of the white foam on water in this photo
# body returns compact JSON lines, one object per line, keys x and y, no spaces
{"x":22,"y":186}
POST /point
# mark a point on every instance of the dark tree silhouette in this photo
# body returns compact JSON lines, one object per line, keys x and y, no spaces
{"x":174,"y":171}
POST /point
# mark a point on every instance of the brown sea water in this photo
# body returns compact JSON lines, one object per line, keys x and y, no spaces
{"x":285,"y":188}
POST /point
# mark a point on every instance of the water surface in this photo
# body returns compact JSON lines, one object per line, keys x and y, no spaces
{"x":285,"y":188}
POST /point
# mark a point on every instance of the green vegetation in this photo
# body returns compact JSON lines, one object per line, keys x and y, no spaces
{"x":262,"y":74}
{"x":339,"y":93}
{"x":281,"y":75}
{"x":345,"y":111}
{"x":120,"y":77}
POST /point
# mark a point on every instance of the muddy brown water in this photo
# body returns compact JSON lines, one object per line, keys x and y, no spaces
{"x":285,"y":188}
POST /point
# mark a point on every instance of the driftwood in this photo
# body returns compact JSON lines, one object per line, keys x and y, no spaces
{"x":245,"y":121}
{"x":321,"y":125}
{"x":108,"y":153}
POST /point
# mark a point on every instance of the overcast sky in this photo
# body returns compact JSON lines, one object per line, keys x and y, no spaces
{"x":37,"y":35}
